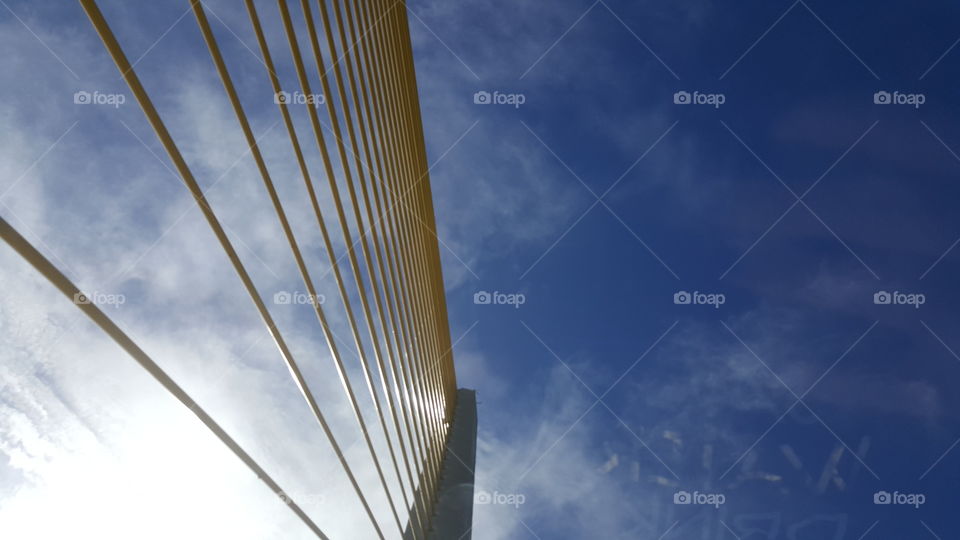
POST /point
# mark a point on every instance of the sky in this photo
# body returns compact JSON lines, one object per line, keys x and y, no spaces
{"x":716,"y":241}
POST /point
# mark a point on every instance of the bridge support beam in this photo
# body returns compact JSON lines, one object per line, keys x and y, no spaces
{"x":453,"y":517}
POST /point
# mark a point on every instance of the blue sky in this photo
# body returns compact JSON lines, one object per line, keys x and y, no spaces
{"x":707,"y":210}
{"x":798,"y":399}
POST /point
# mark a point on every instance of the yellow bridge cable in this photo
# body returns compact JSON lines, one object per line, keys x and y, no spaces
{"x":278,"y":206}
{"x":126,"y":70}
{"x":428,"y":418}
{"x":408,"y":368}
{"x":354,"y":203}
{"x":348,"y":121}
{"x":61,"y":282}
{"x":378,"y":102}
